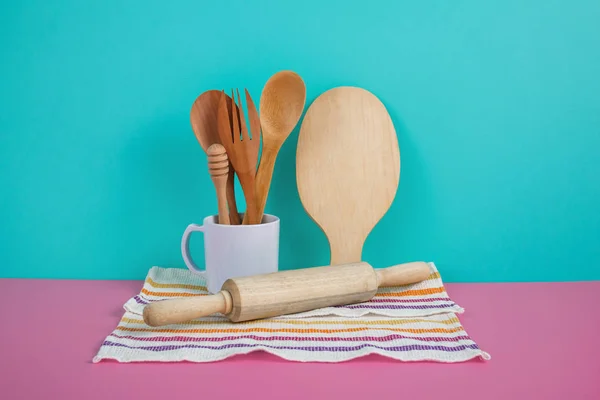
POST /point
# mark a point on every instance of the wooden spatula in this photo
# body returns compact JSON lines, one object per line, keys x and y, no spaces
{"x":347,"y":167}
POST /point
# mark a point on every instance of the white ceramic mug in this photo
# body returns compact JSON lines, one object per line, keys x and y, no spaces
{"x":232,"y":251}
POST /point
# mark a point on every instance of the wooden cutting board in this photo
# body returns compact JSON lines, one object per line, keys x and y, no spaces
{"x":347,"y":167}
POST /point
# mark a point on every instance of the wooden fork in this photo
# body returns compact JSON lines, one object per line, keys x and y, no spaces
{"x":242,"y":152}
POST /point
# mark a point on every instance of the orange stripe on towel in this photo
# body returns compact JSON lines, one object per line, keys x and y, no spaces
{"x":170,"y":294}
{"x":285,"y":330}
{"x":416,"y":292}
{"x":157,"y":285}
{"x":380,"y":322}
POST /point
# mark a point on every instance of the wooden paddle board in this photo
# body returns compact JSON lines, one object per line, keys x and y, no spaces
{"x":347,"y":167}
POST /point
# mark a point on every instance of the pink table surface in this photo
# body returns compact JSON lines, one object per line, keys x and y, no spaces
{"x":540,"y":336}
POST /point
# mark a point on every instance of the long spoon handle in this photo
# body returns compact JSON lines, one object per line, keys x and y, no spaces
{"x":234,"y":216}
{"x":264,"y":176}
{"x":222,"y":202}
{"x":248,"y":184}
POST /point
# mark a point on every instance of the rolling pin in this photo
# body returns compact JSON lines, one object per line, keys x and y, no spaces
{"x":287,"y":292}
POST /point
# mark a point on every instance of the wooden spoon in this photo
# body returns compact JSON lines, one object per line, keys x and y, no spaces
{"x":347,"y":167}
{"x":281,"y":105}
{"x":203,"y":117}
{"x":218,"y":167}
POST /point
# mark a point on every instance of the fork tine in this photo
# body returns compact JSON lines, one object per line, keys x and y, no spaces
{"x":253,"y":117}
{"x":242,"y":119}
{"x":234,"y":122}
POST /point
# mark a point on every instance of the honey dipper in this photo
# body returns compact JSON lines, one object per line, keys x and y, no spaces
{"x":218,"y":167}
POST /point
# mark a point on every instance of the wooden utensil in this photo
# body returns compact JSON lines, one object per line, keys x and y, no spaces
{"x":347,"y":167}
{"x":243,"y":153}
{"x":203,"y":117}
{"x":287,"y":292}
{"x":281,"y":105}
{"x":218,"y":167}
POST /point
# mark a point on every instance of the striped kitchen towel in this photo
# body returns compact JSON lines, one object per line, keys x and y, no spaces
{"x":439,"y":338}
{"x":417,"y":300}
{"x":390,"y":327}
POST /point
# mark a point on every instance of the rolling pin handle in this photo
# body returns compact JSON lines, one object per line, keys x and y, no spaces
{"x":403,"y":274}
{"x":185,"y":309}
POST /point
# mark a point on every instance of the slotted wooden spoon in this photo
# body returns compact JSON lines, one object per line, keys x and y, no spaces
{"x":203,"y":117}
{"x":347,"y":167}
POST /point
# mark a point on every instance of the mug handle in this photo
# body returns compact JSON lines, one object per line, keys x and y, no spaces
{"x":185,"y":247}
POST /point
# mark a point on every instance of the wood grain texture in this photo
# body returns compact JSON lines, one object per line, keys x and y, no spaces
{"x":281,"y":105}
{"x":218,"y":168}
{"x":347,"y":167}
{"x":203,"y":118}
{"x":241,"y":148}
{"x":291,"y":291}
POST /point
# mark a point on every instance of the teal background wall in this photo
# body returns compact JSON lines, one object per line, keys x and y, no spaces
{"x":496,"y":105}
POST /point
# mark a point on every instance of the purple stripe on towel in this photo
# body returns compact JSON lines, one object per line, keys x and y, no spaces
{"x":417,"y":347}
{"x":139,"y":300}
{"x":367,"y":305}
{"x":396,"y":306}
{"x":386,"y":338}
{"x":423,"y":300}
